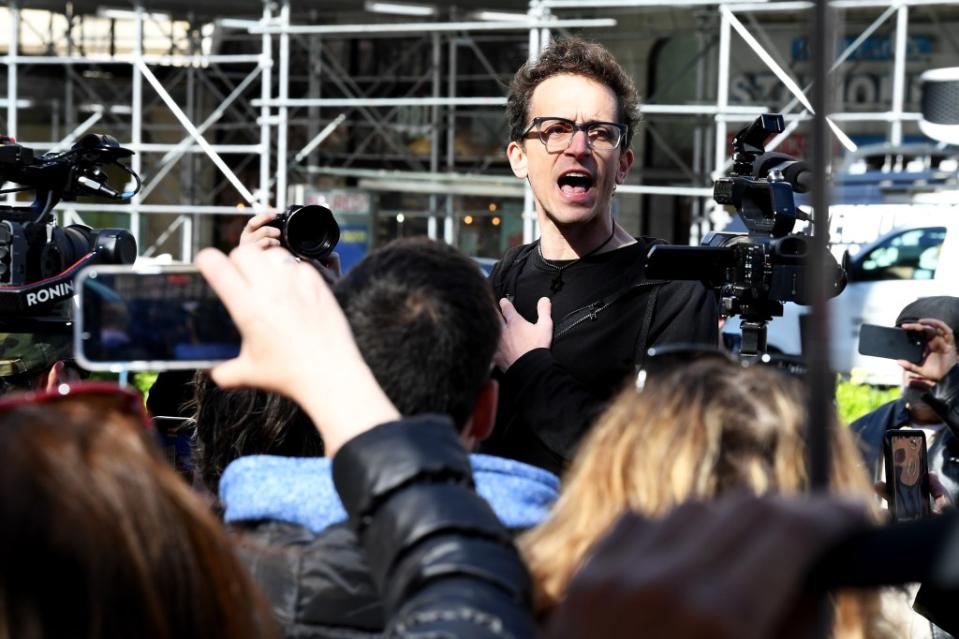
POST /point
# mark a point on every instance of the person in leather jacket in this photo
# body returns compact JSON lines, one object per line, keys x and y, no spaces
{"x":930,"y":394}
{"x":426,"y":324}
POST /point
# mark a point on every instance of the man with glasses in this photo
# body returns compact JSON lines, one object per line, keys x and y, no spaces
{"x":579,"y":313}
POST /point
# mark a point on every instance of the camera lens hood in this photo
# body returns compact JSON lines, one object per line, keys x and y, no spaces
{"x":311,"y":231}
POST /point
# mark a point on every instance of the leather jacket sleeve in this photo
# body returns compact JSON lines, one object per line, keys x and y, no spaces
{"x":944,"y":399}
{"x":443,"y":563}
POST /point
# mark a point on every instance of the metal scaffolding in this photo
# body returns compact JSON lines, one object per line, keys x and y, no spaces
{"x":221,"y":127}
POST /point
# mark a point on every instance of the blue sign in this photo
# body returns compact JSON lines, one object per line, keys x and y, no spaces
{"x":874,"y":49}
{"x":353,"y":245}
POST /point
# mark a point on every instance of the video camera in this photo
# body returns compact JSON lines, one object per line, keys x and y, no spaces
{"x":38,"y":258}
{"x":757,"y":271}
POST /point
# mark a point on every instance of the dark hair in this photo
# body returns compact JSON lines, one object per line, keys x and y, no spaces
{"x":101,"y":538}
{"x":426,"y":322}
{"x":246,"y":421}
{"x":577,"y":57}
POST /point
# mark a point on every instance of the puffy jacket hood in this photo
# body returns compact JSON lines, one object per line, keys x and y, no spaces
{"x":300,"y":490}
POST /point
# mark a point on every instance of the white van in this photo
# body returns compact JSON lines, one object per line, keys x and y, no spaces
{"x":916,"y":256}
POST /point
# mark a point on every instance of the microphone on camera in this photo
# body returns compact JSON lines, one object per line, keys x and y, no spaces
{"x":794,"y":171}
{"x":99,"y":188}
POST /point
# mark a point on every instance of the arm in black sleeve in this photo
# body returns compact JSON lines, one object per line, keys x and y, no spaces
{"x":545,"y":396}
{"x":944,"y":399}
{"x":441,"y":559}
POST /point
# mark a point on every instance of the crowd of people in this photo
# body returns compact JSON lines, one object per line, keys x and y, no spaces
{"x":415,"y":450}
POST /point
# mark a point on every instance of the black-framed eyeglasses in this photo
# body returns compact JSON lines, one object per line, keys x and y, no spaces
{"x":556,"y":134}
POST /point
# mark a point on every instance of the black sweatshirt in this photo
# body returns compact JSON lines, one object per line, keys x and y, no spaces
{"x":550,"y":397}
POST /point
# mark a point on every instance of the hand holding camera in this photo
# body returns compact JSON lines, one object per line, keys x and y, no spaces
{"x":310,"y":232}
{"x":260,"y":233}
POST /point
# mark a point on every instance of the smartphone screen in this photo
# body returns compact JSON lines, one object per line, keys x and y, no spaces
{"x":891,"y":343}
{"x":150,"y":318}
{"x":907,"y":474}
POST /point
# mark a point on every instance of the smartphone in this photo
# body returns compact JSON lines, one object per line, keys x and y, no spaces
{"x":907,"y":474}
{"x":892,"y":343}
{"x":150,"y":318}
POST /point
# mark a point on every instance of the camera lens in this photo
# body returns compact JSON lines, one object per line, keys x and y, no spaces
{"x":311,"y":231}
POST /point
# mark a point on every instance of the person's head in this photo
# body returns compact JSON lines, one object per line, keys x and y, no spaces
{"x":572,"y":176}
{"x":36,"y":360}
{"x":945,"y":309}
{"x":700,"y":431}
{"x":101,"y":538}
{"x":426,"y":322}
{"x":246,"y":421}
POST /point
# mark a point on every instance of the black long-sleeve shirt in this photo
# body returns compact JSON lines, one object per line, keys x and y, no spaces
{"x":550,"y":397}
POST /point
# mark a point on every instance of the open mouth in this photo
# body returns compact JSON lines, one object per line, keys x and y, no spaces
{"x":575,"y":183}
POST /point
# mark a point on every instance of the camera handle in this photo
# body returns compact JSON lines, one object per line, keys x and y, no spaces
{"x":754,"y":338}
{"x":755,"y":315}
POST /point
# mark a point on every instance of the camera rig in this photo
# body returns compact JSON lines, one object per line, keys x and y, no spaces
{"x":757,"y":271}
{"x":38,"y":258}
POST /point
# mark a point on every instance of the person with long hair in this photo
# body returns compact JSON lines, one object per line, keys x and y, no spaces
{"x":101,"y":537}
{"x":699,"y":432}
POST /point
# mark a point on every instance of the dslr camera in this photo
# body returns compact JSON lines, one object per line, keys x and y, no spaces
{"x":308,"y":231}
{"x":757,"y":271}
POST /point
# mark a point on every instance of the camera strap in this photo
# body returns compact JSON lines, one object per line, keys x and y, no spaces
{"x":641,"y":347}
{"x":507,"y":271}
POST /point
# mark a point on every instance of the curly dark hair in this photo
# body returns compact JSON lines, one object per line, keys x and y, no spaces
{"x":578,"y":57}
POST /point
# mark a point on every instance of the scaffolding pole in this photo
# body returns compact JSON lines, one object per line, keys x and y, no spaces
{"x":436,"y":50}
{"x":266,"y":70}
{"x":718,"y":216}
{"x":282,"y":126}
{"x":537,"y":11}
{"x":899,"y":75}
{"x":136,"y":119}
{"x":449,"y":229}
{"x":12,"y":90}
{"x":420,"y":28}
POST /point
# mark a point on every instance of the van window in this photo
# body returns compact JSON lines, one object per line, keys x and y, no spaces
{"x":910,"y":255}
